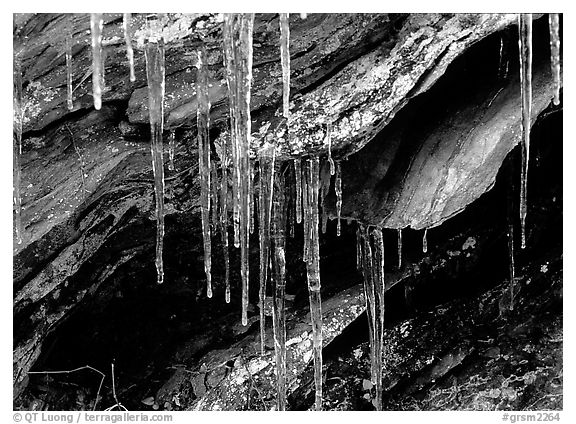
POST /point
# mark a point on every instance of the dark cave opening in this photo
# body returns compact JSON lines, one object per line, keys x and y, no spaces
{"x":144,"y":328}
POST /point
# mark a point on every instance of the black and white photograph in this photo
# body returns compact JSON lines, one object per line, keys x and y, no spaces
{"x":287,"y":212}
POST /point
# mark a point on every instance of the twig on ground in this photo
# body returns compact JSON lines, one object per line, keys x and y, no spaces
{"x":85,"y":367}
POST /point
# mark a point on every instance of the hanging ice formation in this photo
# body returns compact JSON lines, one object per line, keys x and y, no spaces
{"x":554,"y":23}
{"x":129,"y":51}
{"x":370,"y":255}
{"x":298,"y":176}
{"x":68,"y":42}
{"x":285,"y":59}
{"x":214,"y":195}
{"x":96,"y":25}
{"x":425,"y":241}
{"x":237,"y":34}
{"x":171,"y":147}
{"x":223,"y":221}
{"x":312,"y":258}
{"x":525,"y":44}
{"x":510,"y":221}
{"x":203,"y":120}
{"x":278,"y":230}
{"x":17,"y":146}
{"x":155,"y":72}
{"x":338,"y":190}
{"x":329,"y":141}
{"x":399,"y":248}
{"x":266,"y":162}
{"x":251,"y":200}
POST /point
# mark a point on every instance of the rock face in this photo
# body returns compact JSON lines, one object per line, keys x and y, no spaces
{"x":419,"y":121}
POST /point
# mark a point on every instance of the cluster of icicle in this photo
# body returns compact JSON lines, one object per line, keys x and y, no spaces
{"x":307,"y":182}
{"x":525,"y":52}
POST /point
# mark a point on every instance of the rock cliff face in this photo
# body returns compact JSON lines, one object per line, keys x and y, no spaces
{"x":423,"y":109}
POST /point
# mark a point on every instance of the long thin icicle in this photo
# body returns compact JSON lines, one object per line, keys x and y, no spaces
{"x":279,"y":276}
{"x":510,"y":222}
{"x":238,"y":59}
{"x":329,"y":141}
{"x":155,"y":73}
{"x":251,"y":197}
{"x":313,"y":273}
{"x":69,"y":42}
{"x":266,"y":163}
{"x":366,"y":269}
{"x":224,"y":220}
{"x":305,"y":203}
{"x":17,"y":146}
{"x":338,"y":190}
{"x":425,"y":241}
{"x":285,"y":59}
{"x":525,"y":42}
{"x":554,"y":23}
{"x":399,"y":248}
{"x":127,"y":17}
{"x":203,"y":119}
{"x":379,"y":288}
{"x":96,"y":25}
{"x":214,"y":200}
{"x":371,"y":256}
{"x":298,"y":175}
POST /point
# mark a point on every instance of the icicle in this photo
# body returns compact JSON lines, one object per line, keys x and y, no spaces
{"x":324,"y":219}
{"x":366,"y":269}
{"x":510,"y":221}
{"x":96,"y":25}
{"x":298,"y":174}
{"x":203,"y":119}
{"x":285,"y":59}
{"x":155,"y":73}
{"x":224,"y":220}
{"x":313,"y":274}
{"x":525,"y":42}
{"x":425,"y":241}
{"x":69,"y":41}
{"x":238,"y":58}
{"x":379,"y":288}
{"x":279,"y":278}
{"x":171,"y":148}
{"x":358,"y":250}
{"x":214,"y":196}
{"x":338,"y":190}
{"x":129,"y":50}
{"x":399,"y":248}
{"x":252,"y":166}
{"x":554,"y":23}
{"x":329,"y":141}
{"x":17,"y":146}
{"x":305,"y":202}
{"x":266,"y":163}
